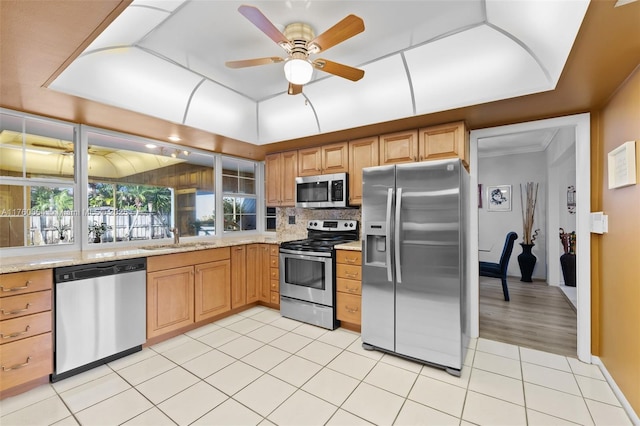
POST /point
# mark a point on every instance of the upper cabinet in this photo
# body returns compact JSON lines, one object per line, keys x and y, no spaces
{"x":362,"y":153}
{"x":325,"y":159}
{"x":280,"y":175}
{"x":430,"y":143}
{"x":445,"y":141}
{"x":401,"y":147}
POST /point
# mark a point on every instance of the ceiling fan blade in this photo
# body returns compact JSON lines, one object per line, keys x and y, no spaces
{"x":294,"y":89}
{"x":347,"y":28}
{"x":344,"y":71}
{"x":253,"y":62}
{"x":257,"y":18}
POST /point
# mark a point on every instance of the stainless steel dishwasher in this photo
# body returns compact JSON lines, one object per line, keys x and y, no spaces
{"x":100,"y":314}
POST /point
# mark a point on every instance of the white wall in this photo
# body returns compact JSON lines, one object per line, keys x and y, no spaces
{"x":493,"y":227}
{"x":561,"y":162}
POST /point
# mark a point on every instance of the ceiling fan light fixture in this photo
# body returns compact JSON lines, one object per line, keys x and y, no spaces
{"x":298,"y":71}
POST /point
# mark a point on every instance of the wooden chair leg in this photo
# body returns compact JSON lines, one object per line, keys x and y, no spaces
{"x":505,"y":289}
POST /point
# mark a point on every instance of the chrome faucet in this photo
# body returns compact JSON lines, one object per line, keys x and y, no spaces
{"x":176,"y":235}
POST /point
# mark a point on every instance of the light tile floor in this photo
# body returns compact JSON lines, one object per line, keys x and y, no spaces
{"x":259,"y":368}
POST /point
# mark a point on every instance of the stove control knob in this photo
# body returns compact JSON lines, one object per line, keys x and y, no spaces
{"x":351,"y":225}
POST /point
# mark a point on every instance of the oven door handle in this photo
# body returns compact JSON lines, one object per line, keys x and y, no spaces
{"x":388,"y":234}
{"x":313,"y":258}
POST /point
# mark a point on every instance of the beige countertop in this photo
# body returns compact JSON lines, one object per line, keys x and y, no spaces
{"x":54,"y":260}
{"x":354,"y":245}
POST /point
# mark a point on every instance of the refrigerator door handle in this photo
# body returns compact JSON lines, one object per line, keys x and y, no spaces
{"x":397,"y":235}
{"x":388,"y":233}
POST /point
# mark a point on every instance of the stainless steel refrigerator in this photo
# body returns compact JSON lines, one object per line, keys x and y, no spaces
{"x":414,"y":275}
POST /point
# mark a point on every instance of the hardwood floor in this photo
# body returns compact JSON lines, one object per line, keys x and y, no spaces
{"x":538,"y":316}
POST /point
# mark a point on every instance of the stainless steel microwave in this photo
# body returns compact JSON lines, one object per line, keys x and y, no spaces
{"x":322,"y":191}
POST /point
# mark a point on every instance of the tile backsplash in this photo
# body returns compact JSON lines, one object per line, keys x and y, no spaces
{"x":285,"y":231}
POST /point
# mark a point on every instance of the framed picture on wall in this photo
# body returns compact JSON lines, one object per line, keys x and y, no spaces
{"x":499,"y":198}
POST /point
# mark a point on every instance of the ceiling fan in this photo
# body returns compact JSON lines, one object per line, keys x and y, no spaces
{"x":299,"y":41}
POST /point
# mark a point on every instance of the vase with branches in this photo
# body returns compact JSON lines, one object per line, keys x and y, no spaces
{"x":528,"y":201}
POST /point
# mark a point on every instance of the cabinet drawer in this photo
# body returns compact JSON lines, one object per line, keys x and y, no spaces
{"x":348,"y":286}
{"x":25,"y":304}
{"x":348,"y":308}
{"x":273,"y":261}
{"x":25,"y":360}
{"x":351,"y":272}
{"x":23,"y":327}
{"x":274,"y":250}
{"x":25,"y":282}
{"x":275,"y":297}
{"x":349,"y":257}
{"x":274,"y":273}
{"x":275,"y":285}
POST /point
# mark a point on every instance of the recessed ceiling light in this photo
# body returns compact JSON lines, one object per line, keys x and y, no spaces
{"x":151,"y":146}
{"x":174,"y":138}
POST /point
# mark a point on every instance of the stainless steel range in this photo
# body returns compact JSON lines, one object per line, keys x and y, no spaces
{"x":307,"y":272}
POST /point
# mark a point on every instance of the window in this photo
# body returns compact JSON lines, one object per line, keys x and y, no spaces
{"x":239,"y":194}
{"x":62,"y":183}
{"x":37,"y":181}
{"x":138,"y":190}
{"x":271,"y":219}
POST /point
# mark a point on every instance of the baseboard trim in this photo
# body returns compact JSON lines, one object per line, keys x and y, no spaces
{"x":616,"y":390}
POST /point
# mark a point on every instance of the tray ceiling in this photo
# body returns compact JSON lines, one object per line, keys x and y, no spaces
{"x":166,"y":59}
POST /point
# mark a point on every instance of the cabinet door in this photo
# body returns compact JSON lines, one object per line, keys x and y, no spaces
{"x":169,"y":300}
{"x":238,"y":276}
{"x":212,"y":289}
{"x":273,"y":173}
{"x":401,"y":147}
{"x":362,"y":153}
{"x":309,"y":161}
{"x":265,"y":273}
{"x":289,"y":171}
{"x":335,"y":158}
{"x":254,"y":285}
{"x":444,"y":141}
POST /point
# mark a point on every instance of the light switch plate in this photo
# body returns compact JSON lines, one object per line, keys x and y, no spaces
{"x":599,"y":223}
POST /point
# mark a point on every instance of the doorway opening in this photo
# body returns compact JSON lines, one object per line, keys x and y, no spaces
{"x":567,"y":147}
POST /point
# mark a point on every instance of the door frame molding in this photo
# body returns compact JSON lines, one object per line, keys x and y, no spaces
{"x":582,"y":125}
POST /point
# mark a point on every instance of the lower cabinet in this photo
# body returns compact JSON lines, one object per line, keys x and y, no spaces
{"x":349,"y":286}
{"x":185,"y":288}
{"x":238,"y":276}
{"x":170,"y":302}
{"x":26,"y":340}
{"x":213,"y":289}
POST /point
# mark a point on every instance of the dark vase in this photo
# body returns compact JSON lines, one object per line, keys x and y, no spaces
{"x":97,"y":240}
{"x":527,"y":262}
{"x":568,"y":263}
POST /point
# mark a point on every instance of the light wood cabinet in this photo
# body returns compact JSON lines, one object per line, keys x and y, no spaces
{"x":362,"y":153}
{"x":281,"y":170}
{"x":254,"y":269}
{"x":212,"y":289}
{"x":400,"y":147}
{"x":274,"y":274}
{"x":265,"y":273}
{"x":333,"y":158}
{"x":238,"y":276}
{"x":26,"y":345}
{"x":170,"y":302}
{"x":185,"y":288}
{"x":445,"y":141}
{"x":349,"y":286}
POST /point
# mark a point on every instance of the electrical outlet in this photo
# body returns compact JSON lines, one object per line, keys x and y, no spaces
{"x":292,"y":220}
